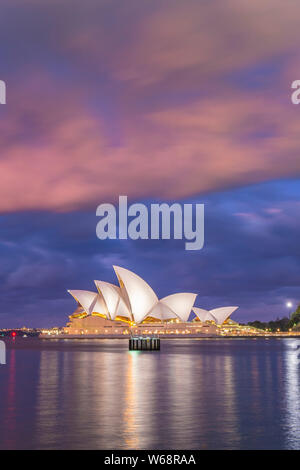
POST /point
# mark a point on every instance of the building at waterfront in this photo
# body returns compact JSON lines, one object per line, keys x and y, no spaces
{"x":132,"y":307}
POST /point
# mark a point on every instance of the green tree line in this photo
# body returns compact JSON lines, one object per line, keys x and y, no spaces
{"x":281,"y":324}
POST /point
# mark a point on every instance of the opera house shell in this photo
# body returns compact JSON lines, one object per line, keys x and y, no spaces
{"x":217,"y":315}
{"x":133,"y":304}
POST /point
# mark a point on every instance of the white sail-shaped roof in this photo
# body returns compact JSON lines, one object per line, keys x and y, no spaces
{"x":85,"y":298}
{"x":113,"y":299}
{"x":123,"y":310}
{"x":181,"y":304}
{"x":100,"y":306}
{"x":139,"y":294}
{"x":221,"y":314}
{"x":111,"y":296}
{"x":203,"y":315}
{"x":162,"y":312}
{"x":136,"y":300}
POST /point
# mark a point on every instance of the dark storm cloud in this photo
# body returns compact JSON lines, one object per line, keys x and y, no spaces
{"x":251,"y":257}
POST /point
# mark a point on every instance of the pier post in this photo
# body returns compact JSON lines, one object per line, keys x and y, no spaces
{"x":137,"y":343}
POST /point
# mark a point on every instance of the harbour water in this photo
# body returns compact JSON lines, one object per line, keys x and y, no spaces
{"x":192,"y":394}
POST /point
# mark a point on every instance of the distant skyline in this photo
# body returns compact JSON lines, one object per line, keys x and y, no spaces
{"x":160,"y":101}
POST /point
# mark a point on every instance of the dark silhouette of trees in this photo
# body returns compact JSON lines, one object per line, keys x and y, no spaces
{"x":281,"y":324}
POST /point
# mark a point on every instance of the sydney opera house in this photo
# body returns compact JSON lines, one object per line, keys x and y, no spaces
{"x":132,"y":307}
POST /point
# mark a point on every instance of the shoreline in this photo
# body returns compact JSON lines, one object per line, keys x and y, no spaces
{"x":117,"y":337}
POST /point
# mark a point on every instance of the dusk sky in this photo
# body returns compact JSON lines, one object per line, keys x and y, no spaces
{"x":176,"y":101}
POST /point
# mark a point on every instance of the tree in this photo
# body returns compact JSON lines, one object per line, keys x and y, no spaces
{"x":281,"y":324}
{"x":295,"y":319}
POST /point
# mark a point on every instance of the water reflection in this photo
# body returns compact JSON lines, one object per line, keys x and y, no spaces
{"x":212,"y":394}
{"x":292,"y":391}
{"x":10,"y":404}
{"x":130,"y":434}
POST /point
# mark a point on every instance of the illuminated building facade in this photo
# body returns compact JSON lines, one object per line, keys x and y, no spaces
{"x":132,"y":307}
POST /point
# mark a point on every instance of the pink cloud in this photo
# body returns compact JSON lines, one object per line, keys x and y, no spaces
{"x":273,"y":210}
{"x":57,"y":150}
{"x":207,"y":146}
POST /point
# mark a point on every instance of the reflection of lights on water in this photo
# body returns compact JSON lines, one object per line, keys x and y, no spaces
{"x":10,"y":416}
{"x":139,"y":417}
{"x":129,"y":412}
{"x":292,"y":382}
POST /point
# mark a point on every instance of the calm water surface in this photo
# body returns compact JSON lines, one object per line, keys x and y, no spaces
{"x":193,"y":394}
